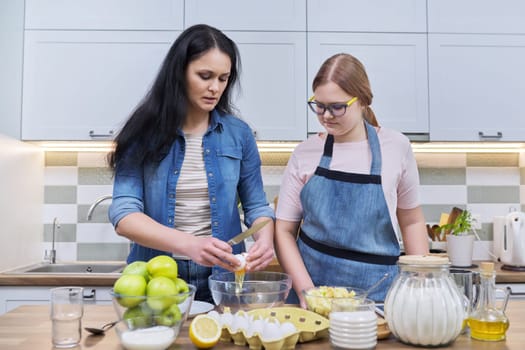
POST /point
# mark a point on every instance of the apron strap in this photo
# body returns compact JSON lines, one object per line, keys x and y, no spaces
{"x":373,"y":141}
{"x":348,"y":254}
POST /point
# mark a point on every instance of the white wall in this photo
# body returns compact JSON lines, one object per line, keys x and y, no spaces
{"x":21,"y":203}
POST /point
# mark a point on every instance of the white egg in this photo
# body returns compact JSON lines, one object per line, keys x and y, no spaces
{"x":288,"y":328}
{"x":272,"y":331}
{"x":239,"y":323}
{"x":215,"y":315}
{"x":255,"y":327}
{"x":242,"y":260}
{"x":226,"y":319}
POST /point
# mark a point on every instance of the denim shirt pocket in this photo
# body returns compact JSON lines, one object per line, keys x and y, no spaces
{"x":229,"y":158}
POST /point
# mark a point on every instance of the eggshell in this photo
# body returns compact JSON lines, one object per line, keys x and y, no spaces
{"x":271,"y":331}
{"x":242,"y":259}
{"x":255,"y":327}
{"x":226,"y":319}
{"x":215,"y":316}
{"x":288,"y":328}
{"x":239,"y":323}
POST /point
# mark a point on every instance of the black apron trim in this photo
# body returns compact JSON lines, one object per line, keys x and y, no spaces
{"x":328,"y":145}
{"x":348,"y":177}
{"x":348,"y":254}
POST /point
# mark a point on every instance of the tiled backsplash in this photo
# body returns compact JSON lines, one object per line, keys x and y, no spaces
{"x":488,"y":184}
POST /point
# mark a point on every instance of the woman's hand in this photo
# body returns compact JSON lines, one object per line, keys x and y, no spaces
{"x":210,"y":251}
{"x":260,"y":255}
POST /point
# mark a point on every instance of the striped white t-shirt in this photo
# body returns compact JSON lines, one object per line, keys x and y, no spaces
{"x":192,"y":207}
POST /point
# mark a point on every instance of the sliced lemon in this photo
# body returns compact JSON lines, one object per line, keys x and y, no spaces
{"x":205,"y":331}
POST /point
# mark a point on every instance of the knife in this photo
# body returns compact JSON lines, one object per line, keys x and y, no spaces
{"x":243,"y":235}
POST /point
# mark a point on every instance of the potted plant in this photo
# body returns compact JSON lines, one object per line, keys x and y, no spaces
{"x":460,"y":239}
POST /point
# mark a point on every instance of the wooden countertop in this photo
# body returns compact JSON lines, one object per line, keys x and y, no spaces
{"x":91,"y":279}
{"x":29,"y":328}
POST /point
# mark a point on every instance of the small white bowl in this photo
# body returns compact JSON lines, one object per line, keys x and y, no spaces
{"x":353,"y":329}
{"x":354,"y":337}
{"x":353,"y":345}
{"x":353,"y":317}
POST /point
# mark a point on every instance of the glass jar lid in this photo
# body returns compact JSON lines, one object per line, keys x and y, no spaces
{"x":424,"y":260}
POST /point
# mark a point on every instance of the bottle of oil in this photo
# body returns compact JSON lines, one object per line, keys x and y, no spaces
{"x":488,"y":321}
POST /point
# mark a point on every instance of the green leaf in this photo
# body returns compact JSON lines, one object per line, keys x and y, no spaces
{"x":462,"y":225}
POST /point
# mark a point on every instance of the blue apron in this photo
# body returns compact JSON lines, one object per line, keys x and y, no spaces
{"x":347,"y":237}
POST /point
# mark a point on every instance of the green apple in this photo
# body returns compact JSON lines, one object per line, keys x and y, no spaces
{"x":182,"y":287}
{"x":162,"y":265}
{"x":139,"y":316}
{"x":161,"y":293}
{"x":128,"y":288}
{"x":137,"y":268}
{"x":170,"y":316}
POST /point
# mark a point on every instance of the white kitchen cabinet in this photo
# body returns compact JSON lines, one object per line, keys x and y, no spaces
{"x":397,"y":69}
{"x":268,"y":15}
{"x":11,"y":50}
{"x":402,"y":16}
{"x":81,"y":85}
{"x":104,"y":14}
{"x":476,"y":87}
{"x":476,"y":16}
{"x":272,"y":98}
{"x":14,"y":296}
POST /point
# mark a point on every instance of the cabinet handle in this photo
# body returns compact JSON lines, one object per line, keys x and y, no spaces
{"x":91,"y":297}
{"x":93,"y":135}
{"x":498,"y":136}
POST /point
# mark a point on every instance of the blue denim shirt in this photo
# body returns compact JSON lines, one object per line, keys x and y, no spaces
{"x":232,"y":164}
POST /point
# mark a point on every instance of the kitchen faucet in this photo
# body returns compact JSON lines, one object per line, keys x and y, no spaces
{"x":94,"y":205}
{"x":52,"y":254}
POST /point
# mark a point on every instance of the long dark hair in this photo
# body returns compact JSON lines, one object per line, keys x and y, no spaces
{"x":153,"y":126}
{"x":350,"y":75}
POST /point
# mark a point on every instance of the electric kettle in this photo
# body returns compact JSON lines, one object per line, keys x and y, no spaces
{"x":512,"y":244}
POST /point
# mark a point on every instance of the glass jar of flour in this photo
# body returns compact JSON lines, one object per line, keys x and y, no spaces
{"x":423,"y":306}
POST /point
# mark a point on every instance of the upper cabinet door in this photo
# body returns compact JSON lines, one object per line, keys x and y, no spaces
{"x":476,"y":16}
{"x":406,"y":16}
{"x":105,"y":14}
{"x":477,"y":87}
{"x":396,"y":65}
{"x":272,"y":99}
{"x":272,"y":15}
{"x":81,"y":85}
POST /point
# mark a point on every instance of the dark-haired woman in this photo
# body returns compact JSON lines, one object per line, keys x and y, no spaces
{"x":350,"y":187}
{"x":182,"y":161}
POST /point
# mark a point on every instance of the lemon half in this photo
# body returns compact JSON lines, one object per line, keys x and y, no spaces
{"x":205,"y":331}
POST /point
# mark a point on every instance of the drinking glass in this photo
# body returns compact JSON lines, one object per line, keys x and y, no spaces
{"x":66,"y":316}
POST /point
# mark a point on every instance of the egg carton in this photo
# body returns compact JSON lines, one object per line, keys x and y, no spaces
{"x":308,"y":326}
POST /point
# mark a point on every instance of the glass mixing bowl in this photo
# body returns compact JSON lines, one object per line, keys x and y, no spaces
{"x":151,"y":322}
{"x":319,"y":299}
{"x":260,"y":289}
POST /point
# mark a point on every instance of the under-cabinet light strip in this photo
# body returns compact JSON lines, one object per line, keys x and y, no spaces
{"x":287,"y":147}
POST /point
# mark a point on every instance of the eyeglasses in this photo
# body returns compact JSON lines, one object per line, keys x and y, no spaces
{"x":336,"y":109}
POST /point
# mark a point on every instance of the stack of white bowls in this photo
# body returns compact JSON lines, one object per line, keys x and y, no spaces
{"x":353,"y":329}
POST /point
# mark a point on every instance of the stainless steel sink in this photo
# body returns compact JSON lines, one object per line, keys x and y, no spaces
{"x":73,"y":267}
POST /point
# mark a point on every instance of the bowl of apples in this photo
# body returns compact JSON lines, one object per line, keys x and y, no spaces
{"x":151,"y":303}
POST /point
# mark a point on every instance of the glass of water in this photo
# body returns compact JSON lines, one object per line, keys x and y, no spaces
{"x":67,"y":309}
